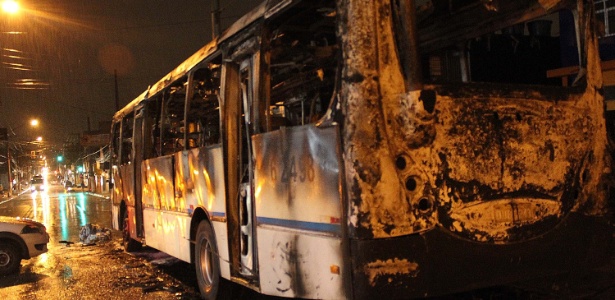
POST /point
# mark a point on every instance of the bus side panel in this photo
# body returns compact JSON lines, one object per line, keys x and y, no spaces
{"x":298,"y":209}
{"x":116,"y":197}
{"x":172,"y":192}
{"x":132,"y":221}
{"x":115,"y":212}
{"x":297,"y":177}
{"x":300,"y":264}
{"x":127,"y":184}
{"x":220,"y":230}
{"x":202,"y":184}
{"x":168,"y":232}
{"x":158,"y":183}
{"x":124,"y":191}
{"x":157,"y":187}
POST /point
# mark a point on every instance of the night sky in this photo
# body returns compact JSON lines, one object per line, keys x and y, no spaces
{"x":58,"y":57}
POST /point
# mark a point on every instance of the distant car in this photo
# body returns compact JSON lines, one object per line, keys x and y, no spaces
{"x":37,"y":184}
{"x":20,"y":239}
{"x":68,"y":186}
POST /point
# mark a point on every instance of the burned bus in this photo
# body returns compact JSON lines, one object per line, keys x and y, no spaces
{"x":384,"y":148}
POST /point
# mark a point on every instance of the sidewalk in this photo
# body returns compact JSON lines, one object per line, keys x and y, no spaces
{"x":5,"y":197}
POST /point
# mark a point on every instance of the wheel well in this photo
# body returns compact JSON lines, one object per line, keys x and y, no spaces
{"x":15,"y":240}
{"x":198,"y":216}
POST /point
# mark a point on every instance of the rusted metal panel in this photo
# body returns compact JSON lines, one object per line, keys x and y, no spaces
{"x":503,"y":168}
{"x":437,"y":263}
{"x":379,"y":204}
{"x":493,"y":177}
{"x":484,"y":161}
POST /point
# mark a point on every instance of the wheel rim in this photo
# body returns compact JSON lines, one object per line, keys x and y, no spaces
{"x":5,"y":259}
{"x":206,"y":264}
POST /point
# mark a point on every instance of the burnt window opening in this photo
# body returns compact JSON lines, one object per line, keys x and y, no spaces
{"x":204,"y":111}
{"x":605,"y":15}
{"x":303,"y":60}
{"x":126,"y":139}
{"x":171,"y":123}
{"x":499,"y":51}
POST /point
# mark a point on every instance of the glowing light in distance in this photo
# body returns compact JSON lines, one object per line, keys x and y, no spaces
{"x":10,"y":6}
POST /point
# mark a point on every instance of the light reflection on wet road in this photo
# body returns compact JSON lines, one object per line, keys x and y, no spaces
{"x":62,"y":213}
{"x":75,"y":271}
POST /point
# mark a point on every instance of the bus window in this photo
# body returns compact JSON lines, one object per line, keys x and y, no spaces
{"x":303,"y":66}
{"x":126,"y":139}
{"x":520,"y":53}
{"x":172,"y":118}
{"x":204,"y":112}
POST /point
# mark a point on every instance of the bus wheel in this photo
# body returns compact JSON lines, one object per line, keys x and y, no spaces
{"x":130,"y":245}
{"x":206,"y":261}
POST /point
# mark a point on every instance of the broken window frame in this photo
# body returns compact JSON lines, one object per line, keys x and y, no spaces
{"x":125,"y":139}
{"x":203,"y":105}
{"x":172,"y":117}
{"x":302,"y":66}
{"x":434,"y":41}
{"x":605,"y":13}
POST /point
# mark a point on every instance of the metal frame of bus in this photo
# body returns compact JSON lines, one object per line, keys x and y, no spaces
{"x":402,"y":189}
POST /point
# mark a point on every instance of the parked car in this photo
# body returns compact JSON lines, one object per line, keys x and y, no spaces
{"x":20,"y":239}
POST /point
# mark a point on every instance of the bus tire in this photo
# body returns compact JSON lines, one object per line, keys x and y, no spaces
{"x":207,"y":264}
{"x":10,"y":259}
{"x":130,"y":244}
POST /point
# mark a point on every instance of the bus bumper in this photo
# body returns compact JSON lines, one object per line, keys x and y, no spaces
{"x":437,"y":263}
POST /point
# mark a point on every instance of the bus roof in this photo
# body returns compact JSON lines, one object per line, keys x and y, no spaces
{"x":264,"y":10}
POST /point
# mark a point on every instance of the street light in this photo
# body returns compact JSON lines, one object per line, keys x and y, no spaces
{"x":10,"y":6}
{"x":33,"y":123}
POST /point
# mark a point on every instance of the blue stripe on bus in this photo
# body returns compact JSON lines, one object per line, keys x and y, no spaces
{"x":217,"y":214}
{"x":313,"y":226}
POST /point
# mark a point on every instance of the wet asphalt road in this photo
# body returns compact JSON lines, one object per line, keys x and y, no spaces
{"x":71,"y":270}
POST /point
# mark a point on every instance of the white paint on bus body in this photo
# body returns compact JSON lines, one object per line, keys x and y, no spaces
{"x":296,"y":263}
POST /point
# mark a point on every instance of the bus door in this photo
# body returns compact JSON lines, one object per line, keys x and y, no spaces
{"x":138,"y":156}
{"x":246,"y":196}
{"x":239,"y":86}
